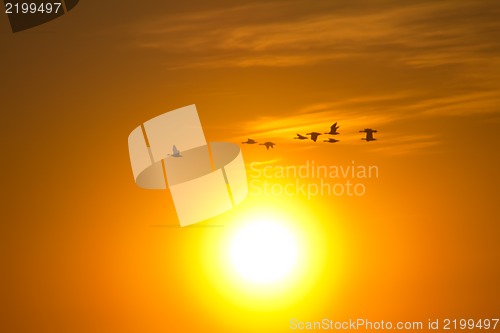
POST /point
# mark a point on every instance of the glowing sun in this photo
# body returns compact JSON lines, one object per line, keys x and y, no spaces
{"x":263,"y":251}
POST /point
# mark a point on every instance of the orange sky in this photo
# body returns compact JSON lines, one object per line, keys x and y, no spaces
{"x":84,"y":250}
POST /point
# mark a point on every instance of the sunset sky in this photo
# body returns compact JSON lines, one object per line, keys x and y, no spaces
{"x":83,"y":249}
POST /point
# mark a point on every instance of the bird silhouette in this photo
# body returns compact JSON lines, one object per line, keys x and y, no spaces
{"x":331,"y":140}
{"x":176,"y":152}
{"x":333,"y":129}
{"x":369,"y":134}
{"x":301,"y":137}
{"x":314,"y":135}
{"x":267,"y":144}
{"x":250,"y":141}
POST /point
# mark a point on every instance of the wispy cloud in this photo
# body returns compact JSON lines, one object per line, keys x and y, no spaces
{"x":396,"y":112}
{"x":415,"y":34}
{"x":408,"y":144}
{"x":448,"y":51}
{"x":280,"y":127}
{"x":455,"y":105}
{"x":266,"y":162}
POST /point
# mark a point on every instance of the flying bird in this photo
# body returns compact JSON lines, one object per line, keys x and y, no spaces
{"x":314,"y":135}
{"x":267,"y":144}
{"x":369,"y":134}
{"x":250,"y":141}
{"x":331,"y":140}
{"x":333,"y":129}
{"x":301,"y":137}
{"x":176,"y":152}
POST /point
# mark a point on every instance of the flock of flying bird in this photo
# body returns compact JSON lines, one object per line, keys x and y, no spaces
{"x":314,"y":136}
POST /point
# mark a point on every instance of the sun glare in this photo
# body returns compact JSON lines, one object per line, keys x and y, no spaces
{"x":269,"y":255}
{"x":263,"y":252}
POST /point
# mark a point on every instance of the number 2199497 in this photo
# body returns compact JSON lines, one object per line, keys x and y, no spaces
{"x":32,"y":8}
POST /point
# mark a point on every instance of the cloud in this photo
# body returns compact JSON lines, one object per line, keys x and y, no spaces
{"x":393,"y":115}
{"x":296,"y":33}
{"x":446,"y":54}
{"x":288,"y":127}
{"x":456,"y":105}
{"x":266,"y":162}
{"x":407,"y":144}
{"x":352,"y":115}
